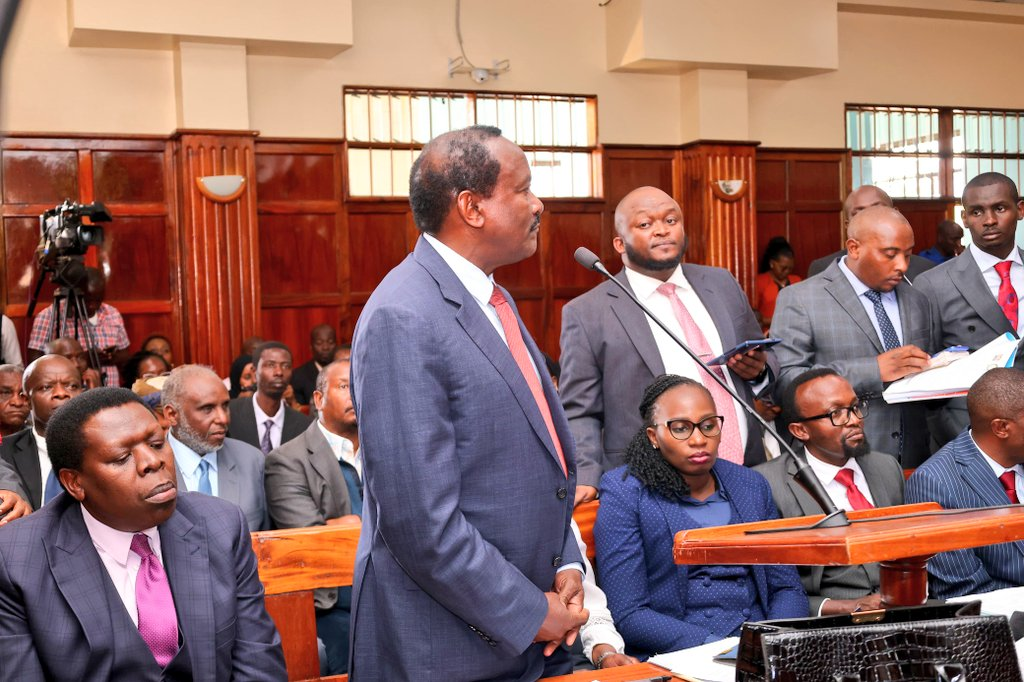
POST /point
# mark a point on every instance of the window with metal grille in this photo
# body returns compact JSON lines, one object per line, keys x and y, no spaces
{"x":385,"y":129}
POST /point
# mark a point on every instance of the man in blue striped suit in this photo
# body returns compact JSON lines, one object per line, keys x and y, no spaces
{"x":979,"y":468}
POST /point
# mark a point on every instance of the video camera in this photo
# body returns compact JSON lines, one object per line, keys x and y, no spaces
{"x":63,"y":233}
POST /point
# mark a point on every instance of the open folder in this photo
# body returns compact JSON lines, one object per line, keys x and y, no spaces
{"x":956,"y":378}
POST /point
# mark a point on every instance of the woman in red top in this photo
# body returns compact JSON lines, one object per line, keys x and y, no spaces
{"x":775,"y":273}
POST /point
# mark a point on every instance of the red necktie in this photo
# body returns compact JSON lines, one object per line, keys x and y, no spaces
{"x":857,"y":500}
{"x":521,"y":355}
{"x":1007,"y":296}
{"x":1009,"y":481}
{"x":731,"y":447}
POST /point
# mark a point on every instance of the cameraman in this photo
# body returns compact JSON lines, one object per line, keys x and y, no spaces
{"x":105,"y":320}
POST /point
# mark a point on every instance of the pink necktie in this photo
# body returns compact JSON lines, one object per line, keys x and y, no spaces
{"x":1009,"y":480}
{"x":857,"y":500}
{"x":522,"y":357}
{"x":158,"y":622}
{"x":731,"y":448}
{"x":1007,"y":296}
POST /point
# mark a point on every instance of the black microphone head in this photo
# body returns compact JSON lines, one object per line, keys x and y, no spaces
{"x":587,"y":258}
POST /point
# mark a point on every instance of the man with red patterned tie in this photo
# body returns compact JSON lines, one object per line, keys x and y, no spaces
{"x":123,"y":578}
{"x":975,"y":296}
{"x":982,"y":467}
{"x":826,"y":416}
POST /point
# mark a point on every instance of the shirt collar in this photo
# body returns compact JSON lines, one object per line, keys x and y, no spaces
{"x":859,"y":287}
{"x":826,"y":472}
{"x":645,"y":286}
{"x":987,"y":261}
{"x":262,"y":416}
{"x":997,"y":468}
{"x":479,"y":285}
{"x":187,"y":458}
{"x":116,"y":543}
{"x":342,"y":447}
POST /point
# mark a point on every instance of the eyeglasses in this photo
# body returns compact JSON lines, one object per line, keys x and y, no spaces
{"x":841,"y":415}
{"x":681,"y":429}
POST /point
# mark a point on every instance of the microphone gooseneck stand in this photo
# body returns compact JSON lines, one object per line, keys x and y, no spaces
{"x":835,"y":517}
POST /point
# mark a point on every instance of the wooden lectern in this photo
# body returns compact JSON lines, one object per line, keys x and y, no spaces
{"x":901,"y":539}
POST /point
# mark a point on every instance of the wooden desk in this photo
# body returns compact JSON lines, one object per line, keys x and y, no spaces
{"x":626,"y":673}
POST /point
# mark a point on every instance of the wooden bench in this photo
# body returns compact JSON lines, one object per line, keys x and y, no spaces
{"x":292,"y":563}
{"x":585,"y":515}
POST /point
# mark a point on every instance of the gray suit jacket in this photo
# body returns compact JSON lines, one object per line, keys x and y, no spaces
{"x":9,"y":479}
{"x":243,"y":423}
{"x":918,"y":264}
{"x":305,"y":487}
{"x":240,"y":481}
{"x":822,"y":323}
{"x":964,"y":312}
{"x":609,"y":356}
{"x":20,"y":455}
{"x":885,"y":482}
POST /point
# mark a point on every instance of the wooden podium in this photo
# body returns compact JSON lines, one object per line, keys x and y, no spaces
{"x":901,"y":539}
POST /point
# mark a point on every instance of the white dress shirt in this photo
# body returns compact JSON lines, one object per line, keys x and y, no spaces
{"x":122,"y":564}
{"x":826,"y":473}
{"x":987,"y":264}
{"x":889,"y":302}
{"x":187,"y":462}
{"x":998,"y":469}
{"x":344,"y":449}
{"x":45,"y":467}
{"x":276,"y":429}
{"x":675,"y":359}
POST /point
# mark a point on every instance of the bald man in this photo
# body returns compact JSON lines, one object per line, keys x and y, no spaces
{"x":948,"y":243}
{"x":611,"y":351}
{"x":859,"y":199}
{"x":980,"y":468}
{"x":862,"y":319}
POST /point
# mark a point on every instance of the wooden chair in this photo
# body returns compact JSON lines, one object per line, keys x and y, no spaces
{"x":292,"y":563}
{"x":585,"y":515}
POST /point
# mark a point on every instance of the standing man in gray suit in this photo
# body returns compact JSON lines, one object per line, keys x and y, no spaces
{"x":972,"y":300}
{"x":306,"y":486}
{"x":195,"y":403}
{"x":827,"y":418}
{"x":611,"y":352}
{"x":863,"y":320}
{"x":264,"y":421}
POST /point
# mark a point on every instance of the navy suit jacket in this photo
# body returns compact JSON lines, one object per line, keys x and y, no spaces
{"x":466,"y":508}
{"x":958,"y":478}
{"x":646,"y":590}
{"x":55,"y":621}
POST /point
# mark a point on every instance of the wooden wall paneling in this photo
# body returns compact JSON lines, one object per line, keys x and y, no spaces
{"x":924,"y":215}
{"x":381,"y":234}
{"x":569,"y":226}
{"x":219,"y":246}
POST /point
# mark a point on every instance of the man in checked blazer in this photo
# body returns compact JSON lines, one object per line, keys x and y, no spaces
{"x":862,"y":319}
{"x":979,"y":468}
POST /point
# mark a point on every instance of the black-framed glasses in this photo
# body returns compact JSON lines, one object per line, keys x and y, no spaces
{"x":681,"y":429}
{"x":841,"y":415}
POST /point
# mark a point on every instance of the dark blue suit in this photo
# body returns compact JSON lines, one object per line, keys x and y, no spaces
{"x":647,"y":591}
{"x":466,"y":508}
{"x":958,"y":478}
{"x":58,"y":623}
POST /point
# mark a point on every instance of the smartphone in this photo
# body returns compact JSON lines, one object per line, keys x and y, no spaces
{"x":752,"y":344}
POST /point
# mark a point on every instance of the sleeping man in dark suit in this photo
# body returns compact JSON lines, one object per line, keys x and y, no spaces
{"x":982,"y":467}
{"x":827,"y":418}
{"x":862,"y":319}
{"x":611,"y":352}
{"x":264,"y":421}
{"x":972,"y":303}
{"x":123,"y":578}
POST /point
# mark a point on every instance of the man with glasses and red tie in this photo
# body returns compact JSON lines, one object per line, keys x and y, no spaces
{"x":827,"y":418}
{"x":979,"y":468}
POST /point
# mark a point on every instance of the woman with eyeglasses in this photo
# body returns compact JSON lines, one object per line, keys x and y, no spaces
{"x":673,"y":481}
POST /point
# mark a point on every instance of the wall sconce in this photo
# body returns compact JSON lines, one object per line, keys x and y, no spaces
{"x":221,"y":188}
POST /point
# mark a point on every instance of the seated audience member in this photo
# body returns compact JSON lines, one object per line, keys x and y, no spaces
{"x":948,"y":243}
{"x":183,"y":600}
{"x":776,"y":273}
{"x":195,"y":404}
{"x":10,"y":349}
{"x":673,"y":480}
{"x":242,"y":382}
{"x":161,"y":345}
{"x":313,"y":480}
{"x":14,"y":407}
{"x":70,"y":348}
{"x":144,"y":365}
{"x":264,"y":421}
{"x":827,"y":418}
{"x":323,"y":342}
{"x":107,"y":327}
{"x":979,"y":468}
{"x":49,"y":381}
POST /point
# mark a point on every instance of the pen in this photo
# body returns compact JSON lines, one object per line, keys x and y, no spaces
{"x":662,"y":678}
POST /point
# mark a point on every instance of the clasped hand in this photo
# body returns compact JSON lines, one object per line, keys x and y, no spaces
{"x":565,"y":611}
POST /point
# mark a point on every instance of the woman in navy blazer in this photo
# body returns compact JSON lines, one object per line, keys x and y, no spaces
{"x":672,"y":481}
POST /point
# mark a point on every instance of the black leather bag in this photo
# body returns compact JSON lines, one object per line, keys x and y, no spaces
{"x":892,"y":644}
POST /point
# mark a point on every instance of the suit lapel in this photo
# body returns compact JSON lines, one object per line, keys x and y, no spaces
{"x":808,"y":507}
{"x":840,"y":289}
{"x":715,"y":306}
{"x":227,"y":477}
{"x":908,"y":313}
{"x":636,"y":325}
{"x":187,"y":563}
{"x":968,"y":280}
{"x":978,"y":476}
{"x":26,"y":461}
{"x":246,"y":418}
{"x":320,"y":457}
{"x":883,"y":492}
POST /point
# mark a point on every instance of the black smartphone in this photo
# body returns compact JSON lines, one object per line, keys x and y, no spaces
{"x":752,"y":344}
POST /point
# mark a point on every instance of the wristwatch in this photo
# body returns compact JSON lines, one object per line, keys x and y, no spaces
{"x":600,"y":659}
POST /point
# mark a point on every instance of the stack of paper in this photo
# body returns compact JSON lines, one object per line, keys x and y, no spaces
{"x":956,"y":378}
{"x":696,"y":663}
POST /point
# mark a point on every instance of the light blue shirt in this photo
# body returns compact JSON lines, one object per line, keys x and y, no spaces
{"x":187,"y":462}
{"x":889,"y":302}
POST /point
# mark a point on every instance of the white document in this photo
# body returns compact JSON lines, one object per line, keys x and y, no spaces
{"x":696,"y":662}
{"x":956,"y":378}
{"x":998,"y":603}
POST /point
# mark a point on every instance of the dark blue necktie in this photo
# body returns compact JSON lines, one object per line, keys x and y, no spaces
{"x":52,"y":488}
{"x":355,"y":487}
{"x":889,"y":339}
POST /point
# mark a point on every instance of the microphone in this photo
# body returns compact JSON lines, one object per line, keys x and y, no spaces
{"x":835,"y":517}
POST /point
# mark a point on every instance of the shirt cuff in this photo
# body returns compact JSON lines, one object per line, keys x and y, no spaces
{"x":577,"y":565}
{"x":821,"y":606}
